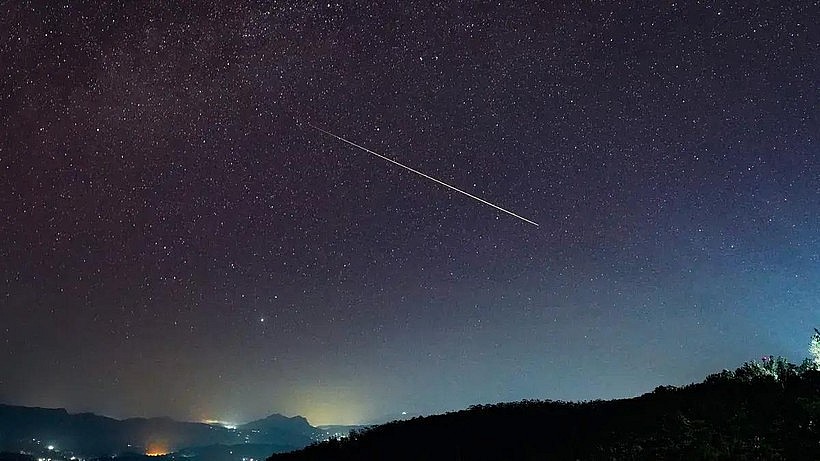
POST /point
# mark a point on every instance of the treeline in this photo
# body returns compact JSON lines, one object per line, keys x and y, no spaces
{"x":768,"y":409}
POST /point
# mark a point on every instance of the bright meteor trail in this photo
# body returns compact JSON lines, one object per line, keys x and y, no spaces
{"x":422,"y":174}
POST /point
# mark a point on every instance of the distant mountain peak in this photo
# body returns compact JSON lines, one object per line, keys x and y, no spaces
{"x":279,"y":416}
{"x":279,"y":421}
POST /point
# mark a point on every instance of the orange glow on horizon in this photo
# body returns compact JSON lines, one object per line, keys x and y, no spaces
{"x":157,"y":448}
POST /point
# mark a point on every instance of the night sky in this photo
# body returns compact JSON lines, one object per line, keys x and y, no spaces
{"x":176,"y":240}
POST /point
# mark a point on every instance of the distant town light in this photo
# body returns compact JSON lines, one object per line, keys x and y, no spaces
{"x":216,"y":422}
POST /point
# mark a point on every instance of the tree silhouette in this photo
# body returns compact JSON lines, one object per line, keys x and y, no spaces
{"x":814,"y":349}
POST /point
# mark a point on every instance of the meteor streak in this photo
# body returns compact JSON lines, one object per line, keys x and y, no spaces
{"x":422,"y":174}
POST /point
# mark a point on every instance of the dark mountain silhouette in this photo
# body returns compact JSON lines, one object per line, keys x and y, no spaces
{"x":90,"y":435}
{"x":284,"y":430}
{"x":340,"y":430}
{"x":761,"y":411}
{"x":229,"y":452}
{"x":8,"y":456}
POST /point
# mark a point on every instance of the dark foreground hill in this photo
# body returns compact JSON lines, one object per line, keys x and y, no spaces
{"x":761,"y":411}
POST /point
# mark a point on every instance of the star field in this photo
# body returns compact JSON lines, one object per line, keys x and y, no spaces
{"x":175,"y":240}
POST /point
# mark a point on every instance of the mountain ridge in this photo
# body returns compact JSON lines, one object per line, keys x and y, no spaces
{"x":92,"y":435}
{"x":760,"y":411}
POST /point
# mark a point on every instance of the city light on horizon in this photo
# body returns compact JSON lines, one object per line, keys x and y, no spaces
{"x":216,"y":422}
{"x":159,"y":447}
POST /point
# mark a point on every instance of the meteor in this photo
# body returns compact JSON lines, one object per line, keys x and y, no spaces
{"x":422,"y":174}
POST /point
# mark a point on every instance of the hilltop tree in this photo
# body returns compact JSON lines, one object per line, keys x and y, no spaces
{"x":814,"y":349}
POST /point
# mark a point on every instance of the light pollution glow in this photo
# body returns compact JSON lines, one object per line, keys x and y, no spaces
{"x":329,"y":405}
{"x":157,"y":447}
{"x":216,"y":422}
